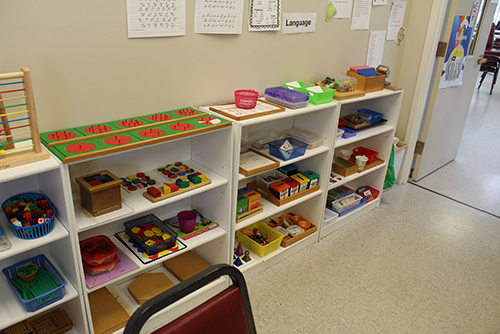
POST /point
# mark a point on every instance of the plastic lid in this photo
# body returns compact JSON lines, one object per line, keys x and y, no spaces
{"x":305,"y":136}
{"x":97,"y":248}
{"x":286,"y":94}
{"x":105,"y":265}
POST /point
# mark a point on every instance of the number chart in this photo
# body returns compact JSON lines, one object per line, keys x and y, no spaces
{"x":19,"y":137}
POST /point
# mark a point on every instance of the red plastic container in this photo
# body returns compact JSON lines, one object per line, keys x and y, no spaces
{"x":94,"y":270}
{"x":374,"y":192}
{"x":246,"y":99}
{"x":371,"y":155}
{"x":341,"y":123}
{"x":97,"y":250}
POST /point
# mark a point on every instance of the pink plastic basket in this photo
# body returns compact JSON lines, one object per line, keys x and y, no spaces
{"x":246,"y":99}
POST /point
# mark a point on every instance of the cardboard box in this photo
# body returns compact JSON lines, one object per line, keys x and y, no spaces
{"x":280,"y":189}
{"x":294,"y":186}
{"x":253,"y":200}
{"x":304,"y":181}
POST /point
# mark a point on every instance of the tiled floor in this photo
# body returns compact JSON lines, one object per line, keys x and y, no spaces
{"x":421,"y":263}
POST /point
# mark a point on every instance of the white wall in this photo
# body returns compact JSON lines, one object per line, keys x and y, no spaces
{"x":85,"y":70}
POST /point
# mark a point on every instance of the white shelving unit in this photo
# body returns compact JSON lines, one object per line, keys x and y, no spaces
{"x":321,"y":119}
{"x":378,"y":138}
{"x":216,"y":154}
{"x":209,"y":153}
{"x":58,"y":246}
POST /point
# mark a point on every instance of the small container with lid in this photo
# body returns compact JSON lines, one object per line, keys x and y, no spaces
{"x":312,"y":140}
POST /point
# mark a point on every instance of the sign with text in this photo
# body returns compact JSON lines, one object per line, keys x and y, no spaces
{"x":297,"y":23}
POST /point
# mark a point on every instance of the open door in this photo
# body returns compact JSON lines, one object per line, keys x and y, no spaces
{"x":447,"y":108}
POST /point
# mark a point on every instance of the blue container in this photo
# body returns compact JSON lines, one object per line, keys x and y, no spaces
{"x":47,"y":298}
{"x":369,"y":116}
{"x":298,"y":149}
{"x":35,"y":231}
{"x":348,"y":133}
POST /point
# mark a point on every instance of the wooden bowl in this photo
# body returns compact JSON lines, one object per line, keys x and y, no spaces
{"x":296,"y":219}
{"x":278,"y":221}
{"x":304,"y":224}
{"x":30,"y":277}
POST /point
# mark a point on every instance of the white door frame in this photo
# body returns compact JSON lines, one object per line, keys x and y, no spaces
{"x":425,"y":74}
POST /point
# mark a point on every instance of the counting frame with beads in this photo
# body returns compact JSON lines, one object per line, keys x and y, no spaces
{"x":19,"y":137}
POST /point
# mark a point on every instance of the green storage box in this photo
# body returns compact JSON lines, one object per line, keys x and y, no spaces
{"x":313,"y":177}
{"x":242,"y":205}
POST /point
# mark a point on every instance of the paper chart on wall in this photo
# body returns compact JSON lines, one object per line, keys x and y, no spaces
{"x":375,"y":48}
{"x":218,"y":16}
{"x":264,"y":15}
{"x":156,"y":18}
{"x":338,"y":9}
{"x":396,"y":19}
{"x":361,"y":15}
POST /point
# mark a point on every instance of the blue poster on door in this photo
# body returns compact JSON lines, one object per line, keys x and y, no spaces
{"x":458,"y":46}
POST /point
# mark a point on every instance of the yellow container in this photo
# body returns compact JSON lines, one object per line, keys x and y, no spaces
{"x":274,"y":237}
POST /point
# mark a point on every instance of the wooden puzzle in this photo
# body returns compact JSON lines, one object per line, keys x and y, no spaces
{"x":179,"y":179}
{"x":90,"y":141}
{"x":138,"y":181}
{"x":19,"y":137}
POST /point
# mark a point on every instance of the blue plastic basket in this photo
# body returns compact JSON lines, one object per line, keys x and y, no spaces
{"x":35,"y":231}
{"x":369,"y":116}
{"x":348,"y":133}
{"x":299,"y":148}
{"x":47,"y":298}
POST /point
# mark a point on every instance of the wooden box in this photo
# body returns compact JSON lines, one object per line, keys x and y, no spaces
{"x":339,"y":169}
{"x":100,"y":192}
{"x":368,"y":85}
{"x":289,"y":240}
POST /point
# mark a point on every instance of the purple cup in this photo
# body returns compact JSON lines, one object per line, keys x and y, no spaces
{"x":186,"y":221}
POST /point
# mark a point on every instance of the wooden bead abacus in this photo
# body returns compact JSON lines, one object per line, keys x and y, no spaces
{"x":19,"y":137}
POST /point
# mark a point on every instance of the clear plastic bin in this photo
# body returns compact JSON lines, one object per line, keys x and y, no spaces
{"x":313,"y":140}
{"x":260,"y":139}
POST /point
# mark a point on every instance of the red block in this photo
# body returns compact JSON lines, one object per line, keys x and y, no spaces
{"x":154,"y":192}
{"x":173,"y":187}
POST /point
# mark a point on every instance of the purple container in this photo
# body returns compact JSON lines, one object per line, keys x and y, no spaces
{"x":186,"y":221}
{"x":286,"y":97}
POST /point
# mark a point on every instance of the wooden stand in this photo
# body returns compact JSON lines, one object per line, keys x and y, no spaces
{"x":23,"y":104}
{"x":272,"y":164}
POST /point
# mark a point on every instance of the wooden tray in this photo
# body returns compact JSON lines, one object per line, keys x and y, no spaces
{"x":263,"y":108}
{"x":185,"y":265}
{"x":289,"y":240}
{"x":250,"y":213}
{"x":340,"y":96}
{"x":54,"y":322}
{"x":352,"y":169}
{"x":180,"y":191}
{"x":264,"y":192}
{"x":108,"y":315}
{"x":351,"y":125}
{"x":272,"y":164}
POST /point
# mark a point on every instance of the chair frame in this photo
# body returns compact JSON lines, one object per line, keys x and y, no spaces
{"x":181,"y":290}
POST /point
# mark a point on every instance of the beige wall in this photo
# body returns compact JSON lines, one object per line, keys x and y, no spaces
{"x":410,"y":62}
{"x":85,"y":69}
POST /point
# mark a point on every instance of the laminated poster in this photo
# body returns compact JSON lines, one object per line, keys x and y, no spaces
{"x":396,"y":19}
{"x":454,"y":61}
{"x":218,"y":16}
{"x":361,"y":15}
{"x":264,"y":15}
{"x":156,"y":18}
{"x":338,"y":9}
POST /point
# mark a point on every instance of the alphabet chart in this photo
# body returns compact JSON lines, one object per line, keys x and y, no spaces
{"x":218,"y":16}
{"x":156,"y":18}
